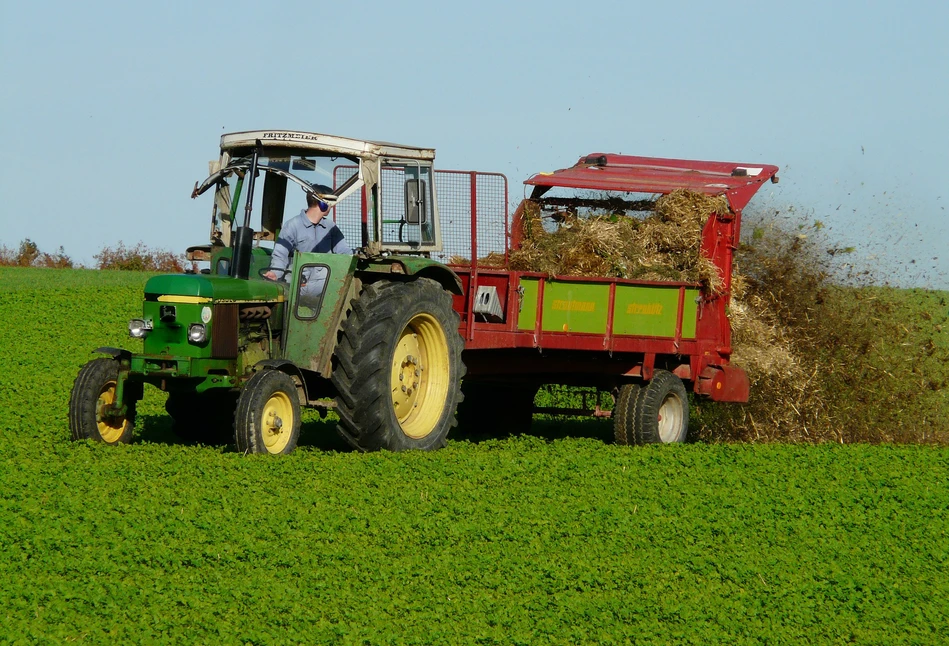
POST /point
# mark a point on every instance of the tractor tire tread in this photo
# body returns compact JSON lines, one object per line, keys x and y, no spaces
{"x":645,"y":420}
{"x":362,"y":364}
{"x":255,"y":394}
{"x":84,"y":396}
{"x":624,"y":412}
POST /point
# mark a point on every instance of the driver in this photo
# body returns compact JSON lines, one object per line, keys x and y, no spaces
{"x":308,"y":232}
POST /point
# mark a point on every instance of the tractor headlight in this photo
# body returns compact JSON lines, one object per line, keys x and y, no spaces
{"x":138,"y":328}
{"x":197,"y":333}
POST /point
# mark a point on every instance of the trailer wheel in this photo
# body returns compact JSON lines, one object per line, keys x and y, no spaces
{"x":624,"y":414}
{"x":398,"y":367}
{"x":92,"y":393}
{"x":662,"y":411}
{"x":206,"y":418}
{"x":267,"y":418}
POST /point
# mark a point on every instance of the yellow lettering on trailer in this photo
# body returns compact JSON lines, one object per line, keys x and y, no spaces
{"x":573,"y":306}
{"x":648,"y":309}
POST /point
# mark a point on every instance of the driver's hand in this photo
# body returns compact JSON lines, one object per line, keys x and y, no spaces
{"x":270,"y":275}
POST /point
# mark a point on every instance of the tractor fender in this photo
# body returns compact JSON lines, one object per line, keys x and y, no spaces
{"x":408,"y":268}
{"x":286,"y":366}
{"x":443,"y":276}
{"x":116,"y":353}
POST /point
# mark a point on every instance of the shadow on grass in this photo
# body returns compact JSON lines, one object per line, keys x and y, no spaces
{"x":315,"y":434}
{"x":321,"y":435}
{"x":155,"y":429}
{"x":547,"y":428}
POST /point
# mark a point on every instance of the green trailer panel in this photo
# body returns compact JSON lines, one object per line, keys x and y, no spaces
{"x":652,"y":311}
{"x":575,"y":307}
{"x":528,"y":313}
{"x":690,"y":313}
{"x":567,"y":306}
{"x":638,"y":310}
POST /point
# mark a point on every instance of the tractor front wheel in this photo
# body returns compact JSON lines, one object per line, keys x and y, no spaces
{"x":92,"y":404}
{"x":398,"y":367}
{"x":267,"y":419}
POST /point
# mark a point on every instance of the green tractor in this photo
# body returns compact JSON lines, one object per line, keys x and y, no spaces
{"x":239,"y":351}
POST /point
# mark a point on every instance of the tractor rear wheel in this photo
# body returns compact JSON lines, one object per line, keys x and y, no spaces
{"x":397,"y":367}
{"x":93,"y":393}
{"x":267,"y":418}
{"x":661,"y":413}
{"x":206,"y":418}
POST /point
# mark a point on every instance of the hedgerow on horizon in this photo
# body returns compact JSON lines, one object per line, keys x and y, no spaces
{"x":138,"y":257}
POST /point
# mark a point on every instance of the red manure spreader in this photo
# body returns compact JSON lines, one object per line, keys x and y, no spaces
{"x":646,"y":342}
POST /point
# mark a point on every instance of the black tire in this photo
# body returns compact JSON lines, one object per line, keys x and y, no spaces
{"x":267,"y":417}
{"x":93,"y":389}
{"x":662,"y":412}
{"x":624,"y":414}
{"x":409,"y":330}
{"x":495,"y":410}
{"x":206,"y":418}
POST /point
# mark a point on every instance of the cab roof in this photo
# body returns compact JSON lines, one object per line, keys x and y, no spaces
{"x":612,"y":172}
{"x":318,"y":142}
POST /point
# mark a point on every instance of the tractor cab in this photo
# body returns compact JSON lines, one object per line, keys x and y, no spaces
{"x":381,"y":195}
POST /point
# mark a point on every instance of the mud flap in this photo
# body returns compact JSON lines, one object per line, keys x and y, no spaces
{"x":724,"y":384}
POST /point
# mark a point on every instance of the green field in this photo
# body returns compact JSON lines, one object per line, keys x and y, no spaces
{"x":555,"y":537}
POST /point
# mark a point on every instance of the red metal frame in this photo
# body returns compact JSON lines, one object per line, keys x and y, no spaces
{"x":610,"y":172}
{"x":502,"y":351}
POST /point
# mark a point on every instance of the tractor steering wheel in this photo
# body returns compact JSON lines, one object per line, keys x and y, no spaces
{"x":282,"y":273}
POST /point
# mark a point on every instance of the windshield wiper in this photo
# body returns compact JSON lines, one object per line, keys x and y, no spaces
{"x":243,"y":164}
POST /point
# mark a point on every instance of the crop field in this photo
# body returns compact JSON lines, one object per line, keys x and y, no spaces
{"x":554,"y":537}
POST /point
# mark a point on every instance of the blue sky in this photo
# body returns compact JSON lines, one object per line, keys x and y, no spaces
{"x":110,"y":111}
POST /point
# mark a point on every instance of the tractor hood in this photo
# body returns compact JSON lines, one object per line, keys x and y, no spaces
{"x":202,"y":288}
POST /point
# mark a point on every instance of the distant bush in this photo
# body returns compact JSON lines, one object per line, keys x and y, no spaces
{"x":29,"y":255}
{"x":142,"y":258}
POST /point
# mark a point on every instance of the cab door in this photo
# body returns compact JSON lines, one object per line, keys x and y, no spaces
{"x":321,"y":286}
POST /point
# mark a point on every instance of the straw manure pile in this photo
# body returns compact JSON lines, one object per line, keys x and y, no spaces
{"x":604,"y":240}
{"x":663,"y":245}
{"x":493,"y":259}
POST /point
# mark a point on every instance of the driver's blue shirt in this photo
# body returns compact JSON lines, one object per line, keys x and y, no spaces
{"x":300,"y":234}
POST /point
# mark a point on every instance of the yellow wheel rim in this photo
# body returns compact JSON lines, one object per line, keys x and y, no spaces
{"x":108,"y":431}
{"x":421,"y":374}
{"x":276,"y":422}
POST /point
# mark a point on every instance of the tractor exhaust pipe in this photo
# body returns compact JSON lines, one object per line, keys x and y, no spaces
{"x":244,"y":235}
{"x":243,"y":248}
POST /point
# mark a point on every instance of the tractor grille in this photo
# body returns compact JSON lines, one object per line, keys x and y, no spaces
{"x":224,"y":331}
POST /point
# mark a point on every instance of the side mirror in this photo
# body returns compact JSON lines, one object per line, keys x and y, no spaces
{"x":302,"y":163}
{"x":415,"y":205}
